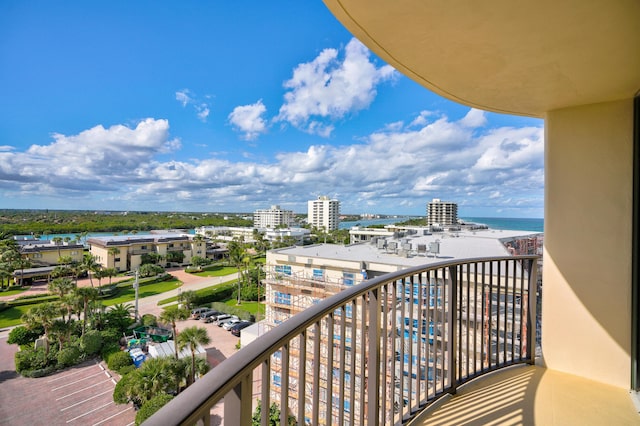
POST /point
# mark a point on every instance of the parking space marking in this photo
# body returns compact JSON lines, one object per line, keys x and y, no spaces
{"x":112,"y":416}
{"x":89,"y":412}
{"x":67,"y":375}
{"x":77,"y":381}
{"x":85,"y":400}
{"x":82,"y":390}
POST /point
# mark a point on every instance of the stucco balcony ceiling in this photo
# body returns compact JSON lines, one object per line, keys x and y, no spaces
{"x":514,"y":57}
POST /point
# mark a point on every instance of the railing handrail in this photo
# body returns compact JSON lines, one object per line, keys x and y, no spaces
{"x":212,"y":387}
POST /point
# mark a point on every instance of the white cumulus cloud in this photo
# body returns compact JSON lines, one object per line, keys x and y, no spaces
{"x":249,"y":120}
{"x":329,"y":88}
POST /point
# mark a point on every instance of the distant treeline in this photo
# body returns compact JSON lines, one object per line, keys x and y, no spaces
{"x":43,"y":222}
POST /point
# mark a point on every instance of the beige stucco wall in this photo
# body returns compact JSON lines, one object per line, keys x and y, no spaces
{"x":586,"y":308}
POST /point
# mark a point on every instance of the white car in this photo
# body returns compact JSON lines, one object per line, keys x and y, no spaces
{"x":223,"y":321}
{"x":227,"y":325}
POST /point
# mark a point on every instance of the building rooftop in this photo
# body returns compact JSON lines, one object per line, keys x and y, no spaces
{"x":453,"y":245}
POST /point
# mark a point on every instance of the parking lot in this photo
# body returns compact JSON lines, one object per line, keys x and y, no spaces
{"x":81,"y":395}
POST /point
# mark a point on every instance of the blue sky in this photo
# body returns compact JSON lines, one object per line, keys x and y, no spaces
{"x":236,"y":106}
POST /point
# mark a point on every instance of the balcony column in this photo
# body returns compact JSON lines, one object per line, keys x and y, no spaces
{"x":586,"y":306}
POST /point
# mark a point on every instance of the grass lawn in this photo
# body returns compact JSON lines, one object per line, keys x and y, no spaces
{"x":251,"y":307}
{"x":218,"y":271}
{"x":13,"y":292}
{"x":143,"y":291}
{"x":10,"y":317}
{"x":201,"y":292}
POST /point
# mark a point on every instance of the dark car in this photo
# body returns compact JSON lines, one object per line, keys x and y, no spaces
{"x":235,"y":330}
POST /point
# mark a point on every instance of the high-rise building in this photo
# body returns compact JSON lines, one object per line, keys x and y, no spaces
{"x":442,"y":213}
{"x":272,"y":218}
{"x":324,"y":213}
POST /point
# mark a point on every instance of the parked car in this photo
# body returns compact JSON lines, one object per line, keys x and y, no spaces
{"x":195,"y":313}
{"x":235,"y":330}
{"x":209,"y":314}
{"x":232,"y":321}
{"x":222,"y":321}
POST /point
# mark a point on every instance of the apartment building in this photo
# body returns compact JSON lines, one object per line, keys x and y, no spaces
{"x":300,"y":277}
{"x":227,"y":233}
{"x":125,"y":252}
{"x":47,"y":253}
{"x":442,"y":213}
{"x":273,"y":217}
{"x":324,"y":213}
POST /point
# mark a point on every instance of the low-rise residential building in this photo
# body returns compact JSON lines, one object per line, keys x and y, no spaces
{"x":126,"y":252}
{"x":296,"y":235}
{"x":47,"y":253}
{"x":227,"y":233}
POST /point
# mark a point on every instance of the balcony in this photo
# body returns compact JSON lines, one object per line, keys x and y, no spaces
{"x":437,"y":329}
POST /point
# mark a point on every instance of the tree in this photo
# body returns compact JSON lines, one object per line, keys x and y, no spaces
{"x":119,"y":316}
{"x":274,"y":416}
{"x":110,"y":272}
{"x":192,"y":337}
{"x":113,"y":252}
{"x":170,"y":316}
{"x":189,"y":298}
{"x":61,"y":287}
{"x":198,"y":262}
{"x":237,"y":256}
{"x":149,"y":270}
{"x":90,"y":265}
{"x":86,"y":294}
{"x":42,"y":315}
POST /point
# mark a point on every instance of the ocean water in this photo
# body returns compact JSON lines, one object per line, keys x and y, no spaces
{"x":514,"y":224}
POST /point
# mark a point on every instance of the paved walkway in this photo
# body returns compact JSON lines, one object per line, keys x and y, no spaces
{"x":17,"y":392}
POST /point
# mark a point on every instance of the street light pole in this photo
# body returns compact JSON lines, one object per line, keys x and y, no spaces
{"x":135,"y":286}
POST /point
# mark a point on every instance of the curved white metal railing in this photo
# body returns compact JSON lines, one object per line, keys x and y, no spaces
{"x":378,"y":352}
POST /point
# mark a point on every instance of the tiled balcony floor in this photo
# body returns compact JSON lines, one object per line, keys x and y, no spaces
{"x":529,"y":395}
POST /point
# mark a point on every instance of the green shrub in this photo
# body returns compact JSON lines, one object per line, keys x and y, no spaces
{"x":149,"y":320}
{"x":126,"y":369}
{"x":21,"y":335}
{"x":91,"y":342}
{"x":118,"y":360}
{"x":69,"y":356}
{"x":151,"y":406}
{"x":31,"y":300}
{"x":110,"y":335}
{"x":216,"y":294}
{"x":3,"y":306}
{"x":40,"y":372}
{"x":28,"y":360}
{"x":109,"y":348}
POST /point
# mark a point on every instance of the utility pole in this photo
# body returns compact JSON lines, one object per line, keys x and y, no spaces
{"x":135,"y":286}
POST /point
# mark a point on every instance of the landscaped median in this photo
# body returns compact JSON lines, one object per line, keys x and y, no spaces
{"x":11,"y":311}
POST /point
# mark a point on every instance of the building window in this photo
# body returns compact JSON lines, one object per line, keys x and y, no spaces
{"x":348,"y":278}
{"x":283,"y":269}
{"x":318,"y":274}
{"x":117,"y":259}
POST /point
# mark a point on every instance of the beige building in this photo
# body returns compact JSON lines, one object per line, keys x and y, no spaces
{"x":442,"y":213}
{"x":324,"y":213}
{"x":576,"y":65}
{"x":300,"y":277}
{"x":48,"y":253}
{"x":125,"y":252}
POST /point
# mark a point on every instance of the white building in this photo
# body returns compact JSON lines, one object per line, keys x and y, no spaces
{"x":442,"y":213}
{"x":300,"y":235}
{"x":324,"y":213}
{"x":272,"y":218}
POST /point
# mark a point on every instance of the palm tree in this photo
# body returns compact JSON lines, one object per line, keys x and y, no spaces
{"x":113,"y":252}
{"x":110,"y":272}
{"x":90,"y":265}
{"x":237,"y":258}
{"x":170,"y":316}
{"x":62,"y":286}
{"x":57,"y":241}
{"x":87,"y":294}
{"x":43,"y":315}
{"x":192,"y":337}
